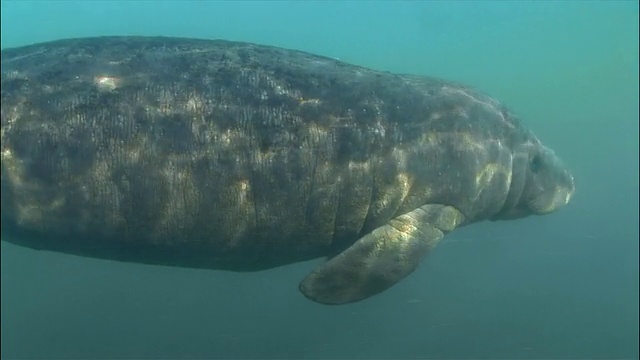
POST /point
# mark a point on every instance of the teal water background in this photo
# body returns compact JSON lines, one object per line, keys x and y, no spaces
{"x":559,"y":286}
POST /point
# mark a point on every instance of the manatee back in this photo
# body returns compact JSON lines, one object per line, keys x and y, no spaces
{"x":222,"y":154}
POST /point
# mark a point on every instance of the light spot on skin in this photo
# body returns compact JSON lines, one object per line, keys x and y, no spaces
{"x":472,"y":144}
{"x":242,"y":190}
{"x":484,"y":177}
{"x":12,"y":168}
{"x":309,"y":101}
{"x":194,"y":103}
{"x":435,"y":116}
{"x":107,"y":83}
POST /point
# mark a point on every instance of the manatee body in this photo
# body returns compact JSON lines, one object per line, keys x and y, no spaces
{"x":236,"y":156}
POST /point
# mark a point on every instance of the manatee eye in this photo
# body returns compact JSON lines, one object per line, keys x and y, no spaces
{"x":536,"y":164}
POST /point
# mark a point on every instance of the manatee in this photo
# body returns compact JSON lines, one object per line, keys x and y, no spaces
{"x":242,"y":157}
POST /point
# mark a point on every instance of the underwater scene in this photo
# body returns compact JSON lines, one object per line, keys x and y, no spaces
{"x":319,"y":180}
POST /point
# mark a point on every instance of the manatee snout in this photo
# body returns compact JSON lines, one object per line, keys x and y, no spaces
{"x":550,"y":184}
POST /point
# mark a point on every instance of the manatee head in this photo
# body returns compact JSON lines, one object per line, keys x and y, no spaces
{"x":540,"y":184}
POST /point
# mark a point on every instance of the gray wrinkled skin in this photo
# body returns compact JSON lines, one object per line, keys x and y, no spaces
{"x":226,"y":155}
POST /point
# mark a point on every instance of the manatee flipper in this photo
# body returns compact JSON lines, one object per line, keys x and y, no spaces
{"x":381,"y":258}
